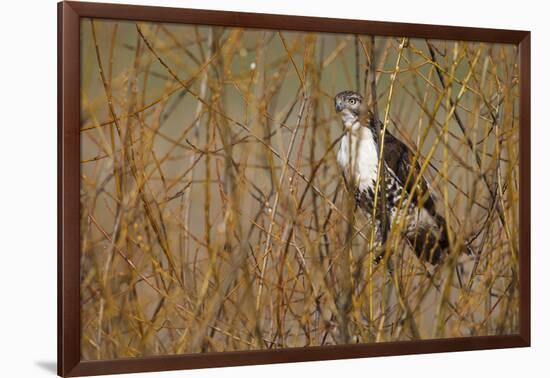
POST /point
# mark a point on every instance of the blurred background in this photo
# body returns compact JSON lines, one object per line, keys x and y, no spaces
{"x":214,"y":216}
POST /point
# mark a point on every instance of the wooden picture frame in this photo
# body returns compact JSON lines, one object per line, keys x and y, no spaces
{"x":69,"y":340}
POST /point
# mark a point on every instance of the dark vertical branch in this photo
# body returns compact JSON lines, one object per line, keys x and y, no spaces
{"x":315,"y":122}
{"x":357,"y":66}
{"x":372,"y":70}
{"x":384,"y":224}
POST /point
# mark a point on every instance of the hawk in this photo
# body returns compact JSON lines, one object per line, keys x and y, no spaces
{"x":423,"y":228}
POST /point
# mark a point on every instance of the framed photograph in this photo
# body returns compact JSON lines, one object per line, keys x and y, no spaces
{"x":239,"y":188}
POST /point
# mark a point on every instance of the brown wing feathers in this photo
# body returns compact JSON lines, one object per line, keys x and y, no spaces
{"x":428,"y":244}
{"x":398,"y":157}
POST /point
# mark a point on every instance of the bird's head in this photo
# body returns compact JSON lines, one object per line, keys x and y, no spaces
{"x":349,"y":104}
{"x":348,"y":101}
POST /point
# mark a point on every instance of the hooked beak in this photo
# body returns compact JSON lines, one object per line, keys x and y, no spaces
{"x":339,"y":107}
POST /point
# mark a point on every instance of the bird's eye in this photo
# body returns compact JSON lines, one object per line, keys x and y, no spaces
{"x":352,"y":101}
